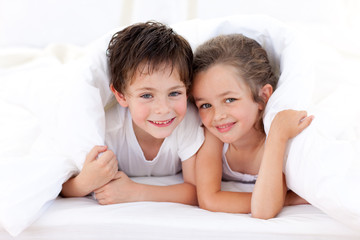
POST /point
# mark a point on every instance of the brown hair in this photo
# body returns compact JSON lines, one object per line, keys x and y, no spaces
{"x":243,"y":53}
{"x":151,"y":45}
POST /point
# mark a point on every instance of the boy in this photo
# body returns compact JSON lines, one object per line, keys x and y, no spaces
{"x":152,"y":131}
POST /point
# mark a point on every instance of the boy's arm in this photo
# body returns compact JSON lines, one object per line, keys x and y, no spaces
{"x":123,"y":189}
{"x":270,"y":188}
{"x":96,"y":172}
{"x":208,"y":180}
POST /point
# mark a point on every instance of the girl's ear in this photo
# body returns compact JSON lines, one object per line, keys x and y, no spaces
{"x":120,"y":98}
{"x":265,"y":93}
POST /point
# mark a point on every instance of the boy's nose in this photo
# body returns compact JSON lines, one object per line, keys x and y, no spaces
{"x":162,"y":106}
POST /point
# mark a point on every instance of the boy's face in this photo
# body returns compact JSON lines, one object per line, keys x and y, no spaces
{"x":157,"y":102}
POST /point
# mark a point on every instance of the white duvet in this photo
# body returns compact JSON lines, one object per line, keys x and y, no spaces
{"x":44,"y":138}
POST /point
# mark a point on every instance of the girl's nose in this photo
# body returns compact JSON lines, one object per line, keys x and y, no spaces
{"x":219,"y":115}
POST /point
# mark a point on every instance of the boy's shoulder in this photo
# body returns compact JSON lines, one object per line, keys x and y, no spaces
{"x":190,"y":133}
{"x":192,"y":113}
{"x":116,"y":115}
{"x":191,"y":120}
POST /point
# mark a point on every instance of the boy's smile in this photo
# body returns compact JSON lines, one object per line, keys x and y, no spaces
{"x":157,"y":101}
{"x":162,"y":123}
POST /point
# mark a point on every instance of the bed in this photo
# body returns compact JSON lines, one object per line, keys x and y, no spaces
{"x":83,"y":218}
{"x":34,"y":161}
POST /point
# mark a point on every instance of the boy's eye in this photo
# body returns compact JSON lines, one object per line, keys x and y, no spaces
{"x":146,"y":95}
{"x":205,"y":105}
{"x":229,"y":100}
{"x":174,"y":94}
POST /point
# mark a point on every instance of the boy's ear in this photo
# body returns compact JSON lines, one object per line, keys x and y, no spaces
{"x":265,"y":93}
{"x":120,"y":98}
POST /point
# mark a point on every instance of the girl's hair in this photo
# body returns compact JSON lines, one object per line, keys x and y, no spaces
{"x":243,"y":53}
{"x":147,"y":45}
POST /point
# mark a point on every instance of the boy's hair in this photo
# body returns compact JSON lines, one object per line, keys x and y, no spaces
{"x":241,"y":52}
{"x":149,"y":46}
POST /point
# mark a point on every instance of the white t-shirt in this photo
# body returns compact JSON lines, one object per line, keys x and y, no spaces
{"x":230,"y":175}
{"x":182,"y":144}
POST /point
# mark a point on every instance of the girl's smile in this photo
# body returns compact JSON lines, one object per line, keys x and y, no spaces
{"x":225,"y":127}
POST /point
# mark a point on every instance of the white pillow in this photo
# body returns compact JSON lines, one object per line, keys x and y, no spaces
{"x":52,"y":102}
{"x":80,"y":122}
{"x":29,"y":184}
{"x":323,"y":164}
{"x":32,"y":169}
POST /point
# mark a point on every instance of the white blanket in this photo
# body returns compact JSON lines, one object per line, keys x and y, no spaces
{"x":41,"y":147}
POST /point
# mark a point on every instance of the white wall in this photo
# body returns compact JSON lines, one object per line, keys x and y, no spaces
{"x":37,"y":23}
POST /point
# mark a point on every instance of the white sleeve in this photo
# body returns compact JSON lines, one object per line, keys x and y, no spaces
{"x":190,"y":134}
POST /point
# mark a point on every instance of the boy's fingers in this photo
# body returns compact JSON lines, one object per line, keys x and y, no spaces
{"x":118,"y":175}
{"x":94,"y":152}
{"x":107,"y":156}
{"x":99,"y":190}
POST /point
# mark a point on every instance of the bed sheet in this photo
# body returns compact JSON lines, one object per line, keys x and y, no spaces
{"x":84,"y":218}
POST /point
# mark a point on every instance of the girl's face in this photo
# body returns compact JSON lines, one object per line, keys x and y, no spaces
{"x":157,"y":102}
{"x":225,"y":103}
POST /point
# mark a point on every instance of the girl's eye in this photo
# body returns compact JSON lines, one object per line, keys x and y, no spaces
{"x":174,"y":94}
{"x":229,"y":100}
{"x":205,"y":105}
{"x":146,"y":95}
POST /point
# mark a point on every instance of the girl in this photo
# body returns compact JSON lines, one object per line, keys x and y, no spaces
{"x":232,"y":83}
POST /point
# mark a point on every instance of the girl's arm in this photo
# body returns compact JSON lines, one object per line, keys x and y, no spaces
{"x":123,"y":189}
{"x":208,"y":180}
{"x":270,"y":188}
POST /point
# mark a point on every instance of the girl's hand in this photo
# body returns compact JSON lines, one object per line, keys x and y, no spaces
{"x":289,"y":123}
{"x":98,"y":170}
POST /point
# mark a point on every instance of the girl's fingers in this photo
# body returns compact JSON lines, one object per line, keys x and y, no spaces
{"x":305,"y":122}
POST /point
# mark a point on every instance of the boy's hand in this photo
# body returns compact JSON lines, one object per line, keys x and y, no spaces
{"x":289,"y":123}
{"x":121,"y":189}
{"x":98,"y":170}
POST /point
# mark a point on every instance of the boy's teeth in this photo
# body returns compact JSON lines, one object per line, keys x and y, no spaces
{"x":162,"y":122}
